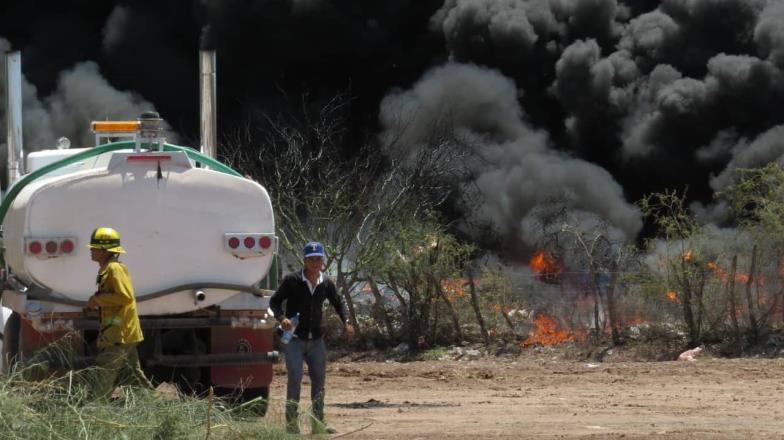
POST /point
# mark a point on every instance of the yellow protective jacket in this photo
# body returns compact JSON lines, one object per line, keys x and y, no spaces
{"x":119,"y":319}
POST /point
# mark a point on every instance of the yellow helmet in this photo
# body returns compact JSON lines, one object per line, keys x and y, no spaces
{"x":107,"y":239}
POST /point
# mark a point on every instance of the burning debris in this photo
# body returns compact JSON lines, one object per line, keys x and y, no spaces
{"x":454,"y":288}
{"x":545,"y":267}
{"x":723,"y":276}
{"x":548,"y":332}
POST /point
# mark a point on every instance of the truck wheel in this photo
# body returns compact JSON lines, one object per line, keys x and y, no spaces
{"x":11,"y":342}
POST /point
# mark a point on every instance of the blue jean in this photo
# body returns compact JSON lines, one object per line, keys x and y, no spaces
{"x":314,"y":353}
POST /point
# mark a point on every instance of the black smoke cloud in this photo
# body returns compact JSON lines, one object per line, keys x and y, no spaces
{"x":514,"y":166}
{"x":687,"y":33}
{"x":82,"y":95}
{"x":594,"y":101}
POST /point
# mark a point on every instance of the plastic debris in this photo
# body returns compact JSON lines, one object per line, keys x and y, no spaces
{"x":690,"y":355}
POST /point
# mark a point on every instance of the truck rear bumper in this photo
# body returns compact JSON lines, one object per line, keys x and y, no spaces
{"x":205,"y":360}
{"x":197,"y":360}
{"x":186,"y":323}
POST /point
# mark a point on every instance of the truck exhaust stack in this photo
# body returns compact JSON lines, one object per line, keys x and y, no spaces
{"x":13,"y":78}
{"x":208,"y":104}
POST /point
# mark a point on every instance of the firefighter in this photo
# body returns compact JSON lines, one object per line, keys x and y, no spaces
{"x":120,"y":332}
{"x":304,"y":292}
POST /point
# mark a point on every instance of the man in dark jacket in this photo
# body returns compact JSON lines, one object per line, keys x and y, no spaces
{"x":304,"y":292}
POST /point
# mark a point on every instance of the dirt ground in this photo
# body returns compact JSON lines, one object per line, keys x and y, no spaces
{"x":546,"y":396}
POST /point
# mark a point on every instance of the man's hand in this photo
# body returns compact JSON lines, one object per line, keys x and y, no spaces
{"x":349,"y":331}
{"x":286,"y":324}
{"x":91,"y":302}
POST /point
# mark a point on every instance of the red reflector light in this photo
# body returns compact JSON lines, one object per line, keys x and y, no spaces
{"x":234,"y":242}
{"x":265,"y":242}
{"x":66,"y":246}
{"x":35,"y":247}
{"x":51,"y":247}
{"x":249,"y":242}
{"x":146,"y":157}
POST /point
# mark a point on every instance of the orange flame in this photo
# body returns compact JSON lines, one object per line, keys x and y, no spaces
{"x":454,"y":288}
{"x":720,"y":273}
{"x":544,"y":265}
{"x":724,"y":276}
{"x":688,"y":255}
{"x":547,"y":333}
{"x":672,"y":295}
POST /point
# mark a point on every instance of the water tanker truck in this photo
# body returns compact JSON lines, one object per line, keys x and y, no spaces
{"x":200,"y":242}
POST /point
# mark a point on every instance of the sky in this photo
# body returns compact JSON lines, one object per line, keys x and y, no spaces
{"x":594,"y":102}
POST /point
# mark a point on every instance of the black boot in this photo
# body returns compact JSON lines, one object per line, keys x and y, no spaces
{"x":292,"y":418}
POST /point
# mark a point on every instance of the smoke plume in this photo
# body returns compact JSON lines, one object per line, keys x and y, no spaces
{"x":82,"y":95}
{"x":516,"y":168}
{"x":593,"y":102}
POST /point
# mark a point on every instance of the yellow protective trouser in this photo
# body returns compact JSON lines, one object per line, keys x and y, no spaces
{"x":119,"y":365}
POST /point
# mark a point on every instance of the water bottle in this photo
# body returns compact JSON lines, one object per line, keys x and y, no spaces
{"x":288,"y":334}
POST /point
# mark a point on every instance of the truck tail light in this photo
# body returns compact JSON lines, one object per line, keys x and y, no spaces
{"x":66,"y":246}
{"x":250,"y":244}
{"x":34,"y":247}
{"x":265,"y":241}
{"x":50,"y":247}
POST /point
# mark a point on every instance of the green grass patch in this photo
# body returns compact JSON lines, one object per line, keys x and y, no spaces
{"x":434,"y":354}
{"x":59,"y":407}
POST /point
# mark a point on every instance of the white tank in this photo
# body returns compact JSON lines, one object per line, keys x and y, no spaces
{"x":175,"y":225}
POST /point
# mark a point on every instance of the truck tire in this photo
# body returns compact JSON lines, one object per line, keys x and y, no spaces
{"x":11,"y":342}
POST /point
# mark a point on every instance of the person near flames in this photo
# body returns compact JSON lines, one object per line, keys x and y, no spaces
{"x":304,"y":292}
{"x":120,"y":332}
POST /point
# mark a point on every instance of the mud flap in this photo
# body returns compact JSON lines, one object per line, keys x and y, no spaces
{"x":10,"y":343}
{"x":44,"y":354}
{"x":30,"y":340}
{"x":239,"y":340}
